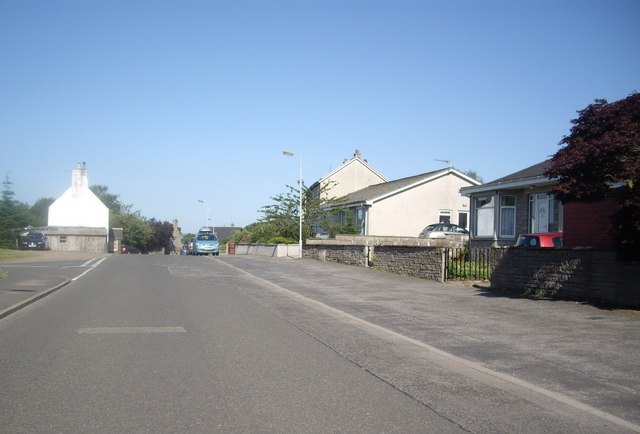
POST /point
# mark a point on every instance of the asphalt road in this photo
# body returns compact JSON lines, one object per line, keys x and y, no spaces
{"x":250,"y":344}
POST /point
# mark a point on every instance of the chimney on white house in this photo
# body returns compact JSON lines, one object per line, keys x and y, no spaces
{"x":79,"y":177}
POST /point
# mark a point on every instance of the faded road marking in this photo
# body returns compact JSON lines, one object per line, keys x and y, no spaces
{"x":130,"y":330}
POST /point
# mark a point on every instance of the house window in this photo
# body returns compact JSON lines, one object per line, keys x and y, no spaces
{"x":545,"y":213}
{"x":484,"y":216}
{"x":463,"y":219}
{"x":360,"y":219}
{"x":445,"y":216}
{"x":63,"y":238}
{"x":508,"y":216}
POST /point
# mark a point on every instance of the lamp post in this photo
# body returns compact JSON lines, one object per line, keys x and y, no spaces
{"x":292,"y":154}
{"x":206,"y":222}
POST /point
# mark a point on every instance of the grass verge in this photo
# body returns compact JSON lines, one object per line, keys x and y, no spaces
{"x":8,"y":255}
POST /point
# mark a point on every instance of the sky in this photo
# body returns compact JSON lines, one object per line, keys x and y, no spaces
{"x":171,"y":103}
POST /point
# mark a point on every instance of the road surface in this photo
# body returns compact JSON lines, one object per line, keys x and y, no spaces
{"x":245,"y":344}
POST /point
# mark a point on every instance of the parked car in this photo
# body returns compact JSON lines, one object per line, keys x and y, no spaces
{"x":441,"y":230}
{"x":206,"y":243}
{"x":540,"y":240}
{"x":190,"y":246}
{"x":33,"y":241}
{"x":130,"y":250}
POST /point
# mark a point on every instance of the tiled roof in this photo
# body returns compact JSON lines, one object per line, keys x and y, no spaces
{"x":378,"y":190}
{"x":531,"y":176}
{"x":530,"y":172}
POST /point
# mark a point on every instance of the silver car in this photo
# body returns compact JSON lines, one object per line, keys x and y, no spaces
{"x":441,"y":230}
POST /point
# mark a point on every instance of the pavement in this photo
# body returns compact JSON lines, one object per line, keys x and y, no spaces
{"x":38,"y":274}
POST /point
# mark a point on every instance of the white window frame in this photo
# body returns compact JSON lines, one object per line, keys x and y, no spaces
{"x":466,"y":214}
{"x":484,"y":224}
{"x":447,"y":214}
{"x":545,"y":213}
{"x":507,"y":228}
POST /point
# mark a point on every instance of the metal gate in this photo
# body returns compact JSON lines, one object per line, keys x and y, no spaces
{"x":467,"y":264}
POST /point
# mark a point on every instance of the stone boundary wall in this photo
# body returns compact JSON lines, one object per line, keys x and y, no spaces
{"x":272,"y":250}
{"x":350,"y":254}
{"x":423,"y":262}
{"x":574,"y":274}
{"x":409,"y":257}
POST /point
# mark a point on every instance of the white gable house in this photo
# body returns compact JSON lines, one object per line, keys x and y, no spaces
{"x":404,"y":207}
{"x":78,"y":217}
{"x":353,"y":175}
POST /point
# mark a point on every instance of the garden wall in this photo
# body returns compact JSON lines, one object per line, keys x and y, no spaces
{"x":410,"y":257}
{"x":273,"y":250}
{"x":575,"y":274}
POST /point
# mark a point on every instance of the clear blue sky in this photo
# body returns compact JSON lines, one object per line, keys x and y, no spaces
{"x":171,"y":102}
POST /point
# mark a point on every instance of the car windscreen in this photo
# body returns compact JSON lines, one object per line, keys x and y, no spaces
{"x":207,"y":237}
{"x":525,"y":241}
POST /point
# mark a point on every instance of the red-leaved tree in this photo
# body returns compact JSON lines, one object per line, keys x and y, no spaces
{"x":600,"y":158}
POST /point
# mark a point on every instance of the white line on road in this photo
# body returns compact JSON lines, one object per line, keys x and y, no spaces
{"x":456,"y":363}
{"x":86,"y":271}
{"x":86,"y":264}
{"x":130,"y":330}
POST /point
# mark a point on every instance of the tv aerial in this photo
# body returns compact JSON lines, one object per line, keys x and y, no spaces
{"x":445,"y":161}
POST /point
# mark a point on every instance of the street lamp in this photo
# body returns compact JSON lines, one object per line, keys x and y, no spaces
{"x":292,"y":154}
{"x":206,"y":222}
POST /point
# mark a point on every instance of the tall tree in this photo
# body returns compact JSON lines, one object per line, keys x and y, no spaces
{"x":136,"y":231}
{"x":475,"y":175}
{"x":600,"y":158}
{"x":110,"y":200}
{"x":10,"y":215}
{"x":282,"y":216}
{"x":40,"y":209}
{"x":161,"y":236}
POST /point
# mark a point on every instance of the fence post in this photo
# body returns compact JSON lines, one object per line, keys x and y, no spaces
{"x":445,"y":263}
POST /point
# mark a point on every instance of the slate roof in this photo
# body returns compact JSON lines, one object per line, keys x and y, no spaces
{"x":225,"y":232}
{"x":75,"y":230}
{"x":532,"y":175}
{"x":535,"y":171}
{"x":377,"y":191}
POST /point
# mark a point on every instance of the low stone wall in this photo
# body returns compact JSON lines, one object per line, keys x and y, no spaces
{"x":273,"y":250}
{"x":410,"y":257}
{"x":350,"y":254}
{"x":575,"y":274}
{"x":423,"y":262}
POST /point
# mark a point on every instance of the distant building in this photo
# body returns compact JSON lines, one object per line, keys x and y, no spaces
{"x":225,"y":232}
{"x":78,"y":220}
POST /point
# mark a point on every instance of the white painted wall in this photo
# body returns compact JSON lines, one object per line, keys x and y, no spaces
{"x":408,"y":213}
{"x":351,"y":176}
{"x":79,"y":206}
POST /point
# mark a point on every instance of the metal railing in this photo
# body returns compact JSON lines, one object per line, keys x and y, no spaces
{"x":468,"y":264}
